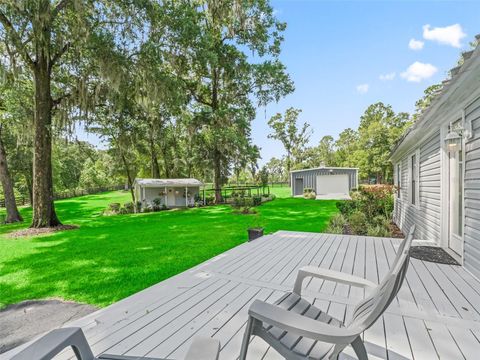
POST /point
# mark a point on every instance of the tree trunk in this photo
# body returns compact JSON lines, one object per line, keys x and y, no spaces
{"x":166,"y":164}
{"x":289,"y":166}
{"x":217,"y":174}
{"x":154,"y":168}
{"x":129,"y":176}
{"x":10,"y":204}
{"x":43,"y":208}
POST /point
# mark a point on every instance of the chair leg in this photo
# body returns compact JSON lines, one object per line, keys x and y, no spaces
{"x":246,"y":338}
{"x":359,"y":348}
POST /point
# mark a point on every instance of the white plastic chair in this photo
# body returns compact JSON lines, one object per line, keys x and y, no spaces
{"x":51,"y":344}
{"x":299,"y":330}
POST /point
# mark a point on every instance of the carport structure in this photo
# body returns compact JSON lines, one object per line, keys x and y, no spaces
{"x":327,"y":182}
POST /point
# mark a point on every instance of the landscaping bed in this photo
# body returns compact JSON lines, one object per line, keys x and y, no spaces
{"x":368,"y":213}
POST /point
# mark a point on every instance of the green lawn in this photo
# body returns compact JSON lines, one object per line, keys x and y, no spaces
{"x":109,"y":258}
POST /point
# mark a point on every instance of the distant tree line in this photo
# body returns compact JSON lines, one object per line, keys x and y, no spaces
{"x":368,"y":147}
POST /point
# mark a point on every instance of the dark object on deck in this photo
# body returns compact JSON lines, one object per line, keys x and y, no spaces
{"x":433,"y":254}
{"x":254,"y":233}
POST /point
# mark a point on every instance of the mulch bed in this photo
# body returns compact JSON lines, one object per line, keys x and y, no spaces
{"x":40,"y":231}
{"x":396,"y":232}
{"x":432,"y":254}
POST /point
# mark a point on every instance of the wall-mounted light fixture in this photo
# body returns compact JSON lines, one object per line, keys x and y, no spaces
{"x":457,"y":134}
{"x":453,"y":141}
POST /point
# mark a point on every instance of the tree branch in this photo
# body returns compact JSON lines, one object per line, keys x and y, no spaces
{"x":59,"y":7}
{"x":16,"y":40}
{"x":57,"y":101}
{"x":196,"y":97}
{"x":59,"y":54}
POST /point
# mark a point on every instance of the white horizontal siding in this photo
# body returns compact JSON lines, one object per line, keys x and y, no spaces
{"x":472,"y":192}
{"x":426,"y":216}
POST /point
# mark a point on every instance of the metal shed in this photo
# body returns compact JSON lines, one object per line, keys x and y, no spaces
{"x":327,"y":182}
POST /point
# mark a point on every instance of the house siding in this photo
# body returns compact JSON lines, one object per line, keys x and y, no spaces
{"x":309,"y":177}
{"x":426,"y":215}
{"x":472,"y":192}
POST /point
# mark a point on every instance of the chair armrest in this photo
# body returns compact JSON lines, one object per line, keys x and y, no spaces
{"x":326,"y":274}
{"x":54,"y":342}
{"x":204,"y":348}
{"x":301,"y":325}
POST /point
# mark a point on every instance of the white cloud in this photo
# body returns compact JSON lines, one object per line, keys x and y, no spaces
{"x":362,"y":88}
{"x":448,"y":35}
{"x":415,"y":44}
{"x":418,"y":71}
{"x":387,"y":77}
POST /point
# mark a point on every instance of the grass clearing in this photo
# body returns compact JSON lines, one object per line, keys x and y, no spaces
{"x":111,"y":257}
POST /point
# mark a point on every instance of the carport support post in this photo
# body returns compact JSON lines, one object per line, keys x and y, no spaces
{"x":144,"y":199}
{"x":186,"y":196}
{"x":166,"y":196}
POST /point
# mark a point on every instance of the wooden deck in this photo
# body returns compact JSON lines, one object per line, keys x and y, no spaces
{"x":436,"y":315}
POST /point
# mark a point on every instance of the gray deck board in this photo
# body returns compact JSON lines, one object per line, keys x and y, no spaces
{"x":436,"y":314}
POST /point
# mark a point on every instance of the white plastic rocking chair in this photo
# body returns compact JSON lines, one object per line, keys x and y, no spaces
{"x":298,"y":330}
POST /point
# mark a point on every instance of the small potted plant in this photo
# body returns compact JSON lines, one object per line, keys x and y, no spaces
{"x":255,"y":230}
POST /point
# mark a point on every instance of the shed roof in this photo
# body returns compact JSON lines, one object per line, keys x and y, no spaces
{"x":325,"y":168}
{"x":168,"y":182}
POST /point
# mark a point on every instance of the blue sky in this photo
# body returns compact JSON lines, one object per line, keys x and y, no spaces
{"x":332,"y":47}
{"x":336,"y":51}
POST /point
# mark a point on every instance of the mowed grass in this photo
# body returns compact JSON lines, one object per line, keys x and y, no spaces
{"x":111,"y":257}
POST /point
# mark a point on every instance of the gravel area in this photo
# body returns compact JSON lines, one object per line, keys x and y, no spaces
{"x":20,"y":323}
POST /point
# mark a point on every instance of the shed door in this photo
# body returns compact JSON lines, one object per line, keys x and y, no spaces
{"x":299,"y":186}
{"x":333,"y":184}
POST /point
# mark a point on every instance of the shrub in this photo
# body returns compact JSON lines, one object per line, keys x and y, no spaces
{"x":358,"y":223}
{"x":309,"y":193}
{"x":337,"y":224}
{"x":114,"y":207}
{"x":273,"y":196}
{"x":338,"y":220}
{"x":376,"y":200}
{"x":378,"y":230}
{"x":129,"y":207}
{"x":247,"y":210}
{"x":346,"y":207}
{"x":335,"y":229}
{"x":381,"y":220}
{"x":256,"y":200}
{"x":210,"y":199}
{"x":147,"y":209}
{"x":156,"y":204}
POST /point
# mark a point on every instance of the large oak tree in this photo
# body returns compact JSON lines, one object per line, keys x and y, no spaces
{"x":54,"y":39}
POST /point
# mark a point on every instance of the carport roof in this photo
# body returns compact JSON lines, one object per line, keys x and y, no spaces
{"x":168,"y":182}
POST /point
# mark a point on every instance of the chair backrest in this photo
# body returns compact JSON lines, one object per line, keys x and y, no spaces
{"x":368,"y":310}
